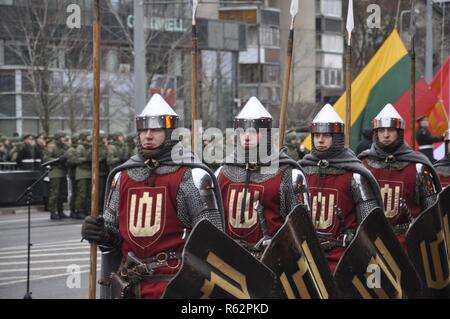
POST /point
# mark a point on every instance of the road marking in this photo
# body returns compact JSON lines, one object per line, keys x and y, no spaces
{"x":23,"y":220}
{"x":87,"y":252}
{"x":43,"y":268}
{"x":50,"y":244}
{"x":43,"y":277}
{"x":47,"y":261}
{"x":45,"y":250}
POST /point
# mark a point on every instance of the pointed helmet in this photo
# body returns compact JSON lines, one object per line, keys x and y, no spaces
{"x":389,"y":118}
{"x":253,"y":115}
{"x":327,"y":121}
{"x":157,"y":114}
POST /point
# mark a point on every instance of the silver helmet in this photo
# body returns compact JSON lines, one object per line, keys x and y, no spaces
{"x":327,"y":121}
{"x":388,"y":118}
{"x":253,"y":115}
{"x":157,"y":114}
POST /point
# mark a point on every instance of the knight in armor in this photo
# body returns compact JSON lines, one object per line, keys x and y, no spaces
{"x":342,"y":191}
{"x":443,"y":166}
{"x":152,"y":203}
{"x":407,"y":179}
{"x":258,"y":191}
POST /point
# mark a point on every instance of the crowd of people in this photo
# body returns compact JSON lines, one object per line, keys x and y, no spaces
{"x":153,"y":202}
{"x":71,"y":174}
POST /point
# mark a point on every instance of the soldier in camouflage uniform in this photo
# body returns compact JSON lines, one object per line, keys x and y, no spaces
{"x":181,"y":195}
{"x":72,"y":167}
{"x":117,"y":151}
{"x":58,"y":179}
{"x":83,"y":175}
{"x":292,"y":145}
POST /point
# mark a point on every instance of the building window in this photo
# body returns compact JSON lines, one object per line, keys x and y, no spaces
{"x":7,"y":81}
{"x":331,"y":8}
{"x":330,"y":78}
{"x":7,"y":105}
{"x":2,"y":52}
{"x":332,"y":43}
{"x":333,"y":25}
{"x":249,"y":73}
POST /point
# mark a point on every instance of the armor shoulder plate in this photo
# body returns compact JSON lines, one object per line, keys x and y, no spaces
{"x":364,"y":197}
{"x":361,"y":189}
{"x":202,"y":180}
{"x":424,"y":181}
{"x":300,"y":185}
{"x":204,"y":183}
{"x":218,"y":171}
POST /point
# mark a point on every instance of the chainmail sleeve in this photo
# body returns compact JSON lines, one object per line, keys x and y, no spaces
{"x":288,"y":198}
{"x":111,"y":214}
{"x":363,"y":196}
{"x":191,"y":205}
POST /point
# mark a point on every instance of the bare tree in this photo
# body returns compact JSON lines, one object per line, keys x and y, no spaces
{"x":39,"y":39}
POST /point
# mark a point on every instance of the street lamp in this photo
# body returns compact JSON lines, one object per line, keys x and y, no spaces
{"x":416,"y":11}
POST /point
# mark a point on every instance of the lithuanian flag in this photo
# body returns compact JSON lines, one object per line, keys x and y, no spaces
{"x":385,"y":79}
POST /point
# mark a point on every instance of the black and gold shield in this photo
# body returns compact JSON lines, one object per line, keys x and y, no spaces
{"x":215,"y":266}
{"x":428,"y":251}
{"x":375,"y":266}
{"x":444,"y":205}
{"x":296,"y":258}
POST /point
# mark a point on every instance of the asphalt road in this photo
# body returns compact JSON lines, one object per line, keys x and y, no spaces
{"x":59,"y":265}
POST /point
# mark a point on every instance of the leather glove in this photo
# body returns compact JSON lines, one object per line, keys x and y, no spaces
{"x":94,"y":230}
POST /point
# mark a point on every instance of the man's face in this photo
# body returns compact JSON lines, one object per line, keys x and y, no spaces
{"x":387,"y":136}
{"x":40,"y":140}
{"x":152,"y":138}
{"x":424,"y":123}
{"x":323,"y":141}
{"x":249,"y":139}
{"x":120,"y":139}
{"x":29,"y":140}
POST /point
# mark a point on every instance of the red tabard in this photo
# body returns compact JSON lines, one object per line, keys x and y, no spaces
{"x":149,"y":224}
{"x":394,"y":185}
{"x":326,"y":192}
{"x":247,"y":227}
{"x":445,"y":181}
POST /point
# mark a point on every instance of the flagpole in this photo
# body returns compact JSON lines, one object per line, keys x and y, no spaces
{"x":348,"y":75}
{"x":194,"y":77}
{"x":95,"y":141}
{"x":413,"y":77}
{"x":287,"y":75}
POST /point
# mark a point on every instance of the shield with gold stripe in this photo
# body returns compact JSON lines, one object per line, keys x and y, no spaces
{"x":215,"y":266}
{"x":375,"y":266}
{"x":296,"y":258}
{"x":427,"y":244}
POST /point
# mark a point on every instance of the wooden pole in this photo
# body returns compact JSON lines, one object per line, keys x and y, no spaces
{"x":348,"y":95}
{"x":285,"y":96}
{"x":194,"y":79}
{"x":287,"y":74}
{"x":413,"y":94}
{"x":95,"y":141}
{"x":413,"y":76}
